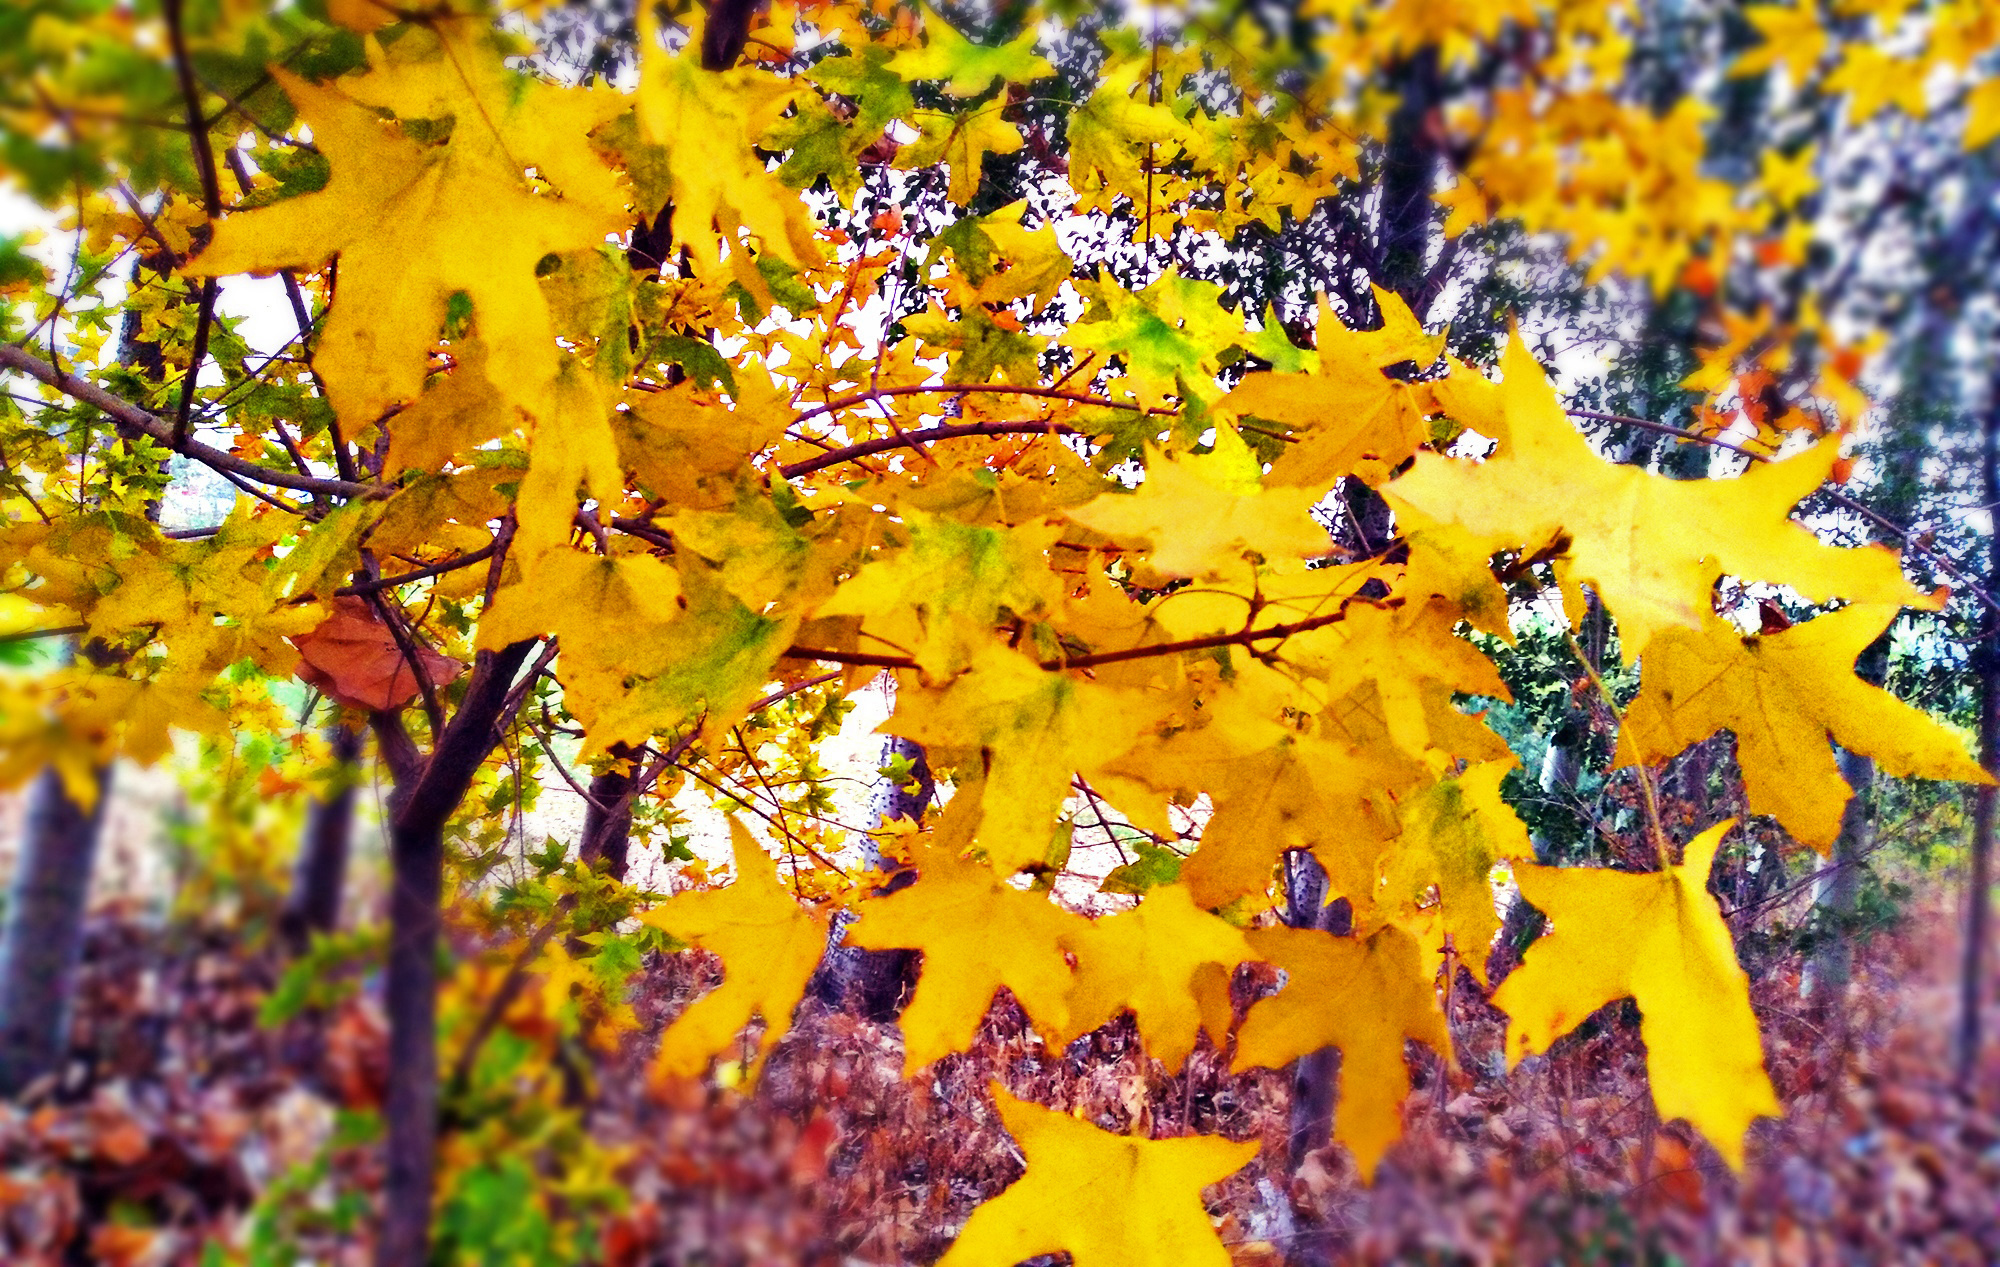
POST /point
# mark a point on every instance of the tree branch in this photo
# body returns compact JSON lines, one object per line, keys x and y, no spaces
{"x":1838,"y":498}
{"x":967,"y":389}
{"x":917,"y":439}
{"x":211,"y":197}
{"x":1241,"y":638}
{"x":422,"y":574}
{"x":465,"y":742}
{"x":160,"y":429}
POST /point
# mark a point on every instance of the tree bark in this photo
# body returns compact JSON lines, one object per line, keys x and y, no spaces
{"x":727,"y":29}
{"x":1979,"y":868}
{"x":876,"y":983}
{"x":607,"y":819}
{"x":1315,"y":1077}
{"x":42,"y":943}
{"x":317,"y":881}
{"x":1409,"y":175}
{"x":43,"y":939}
{"x":1839,"y":885}
{"x":427,"y":794}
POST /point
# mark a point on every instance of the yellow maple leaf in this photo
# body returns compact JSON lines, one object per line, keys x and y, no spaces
{"x":1274,"y":788}
{"x":977,"y":934}
{"x":1032,"y":730}
{"x":1145,"y":959}
{"x":1466,"y":206}
{"x":964,"y":141}
{"x":415,"y":224}
{"x":1661,"y":939}
{"x":574,"y":451}
{"x":769,"y":945}
{"x":1784,"y":695}
{"x":1874,"y":81}
{"x":940,"y":596}
{"x":1787,"y":180}
{"x":596,"y":604}
{"x":707,"y":665}
{"x":1366,"y":997}
{"x":1109,"y":1200}
{"x":1651,"y":546}
{"x":1201,"y":514}
{"x":457,"y":412}
{"x":1447,"y":563}
{"x":1114,"y":131}
{"x":1348,"y":417}
{"x":969,"y":69}
{"x":1454,"y":831}
{"x":1794,"y":35}
{"x":1982,"y":114}
{"x":1398,"y":652}
{"x":689,"y":448}
{"x":706,"y":120}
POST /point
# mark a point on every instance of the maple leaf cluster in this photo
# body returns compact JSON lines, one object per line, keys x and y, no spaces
{"x":1082,"y":525}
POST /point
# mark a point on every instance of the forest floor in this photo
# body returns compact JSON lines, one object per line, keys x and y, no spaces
{"x":182,"y":1110}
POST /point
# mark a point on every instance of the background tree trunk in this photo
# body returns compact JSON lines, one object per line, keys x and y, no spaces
{"x":607,"y":819}
{"x":1839,"y":885}
{"x":875,"y":983}
{"x":1979,"y":868}
{"x":321,"y":874}
{"x":1409,"y":175}
{"x":1315,"y":1077}
{"x":43,"y":940}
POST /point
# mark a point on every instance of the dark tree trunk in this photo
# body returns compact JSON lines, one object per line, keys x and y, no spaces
{"x":1409,"y":175}
{"x":728,"y":27}
{"x":1315,"y":1077}
{"x":321,"y":874}
{"x":1406,"y":224}
{"x":43,"y":939}
{"x":1979,"y":866}
{"x":876,"y":983}
{"x":607,"y":819}
{"x":427,"y":794}
{"x":1839,"y":887}
{"x":417,"y":860}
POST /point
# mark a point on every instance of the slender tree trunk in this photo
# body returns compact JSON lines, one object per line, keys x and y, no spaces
{"x":1409,"y":176}
{"x":876,"y":983}
{"x":1979,"y":877}
{"x":1839,"y":887}
{"x":415,"y":899}
{"x":607,"y":819}
{"x":1315,"y":1077}
{"x":321,"y":874}
{"x":43,"y":939}
{"x":427,"y":793}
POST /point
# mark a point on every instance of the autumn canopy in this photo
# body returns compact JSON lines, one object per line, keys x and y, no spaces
{"x":834,"y":341}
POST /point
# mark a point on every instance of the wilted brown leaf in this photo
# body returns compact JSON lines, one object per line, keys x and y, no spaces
{"x":353,"y":657}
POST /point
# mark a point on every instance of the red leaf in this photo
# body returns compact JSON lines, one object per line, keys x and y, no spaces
{"x":353,"y":657}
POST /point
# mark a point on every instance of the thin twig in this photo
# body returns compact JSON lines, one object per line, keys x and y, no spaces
{"x":1646,"y":788}
{"x":1241,"y":638}
{"x":211,"y":196}
{"x":29,"y":635}
{"x":917,"y":439}
{"x":967,"y":389}
{"x":424,"y":573}
{"x":1833,"y":495}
